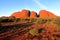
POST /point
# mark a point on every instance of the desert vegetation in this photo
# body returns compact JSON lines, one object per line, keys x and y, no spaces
{"x":29,"y":28}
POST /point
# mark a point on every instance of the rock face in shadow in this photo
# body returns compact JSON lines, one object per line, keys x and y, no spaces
{"x":33,"y":14}
{"x":44,"y":14}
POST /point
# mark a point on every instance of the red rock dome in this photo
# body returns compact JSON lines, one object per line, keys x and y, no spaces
{"x":25,"y":13}
{"x":44,"y":14}
{"x":33,"y":14}
{"x":22,"y":14}
{"x":16,"y":14}
{"x":51,"y":15}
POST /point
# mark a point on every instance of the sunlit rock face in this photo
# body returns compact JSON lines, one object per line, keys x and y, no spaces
{"x":22,"y":14}
{"x":25,"y":13}
{"x":44,"y":14}
{"x":33,"y":14}
{"x":16,"y":14}
{"x":51,"y":15}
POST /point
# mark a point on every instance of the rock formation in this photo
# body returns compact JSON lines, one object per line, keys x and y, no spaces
{"x":22,"y":14}
{"x":27,"y":14}
{"x":51,"y":15}
{"x":16,"y":14}
{"x":44,"y":14}
{"x":33,"y":14}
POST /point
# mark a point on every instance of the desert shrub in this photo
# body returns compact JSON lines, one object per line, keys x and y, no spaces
{"x":12,"y":19}
{"x":22,"y":19}
{"x":41,"y":21}
{"x":5,"y":19}
{"x":27,"y":19}
{"x":48,"y":19}
{"x":33,"y":19}
{"x":33,"y":32}
{"x":57,"y":21}
{"x":18,"y":19}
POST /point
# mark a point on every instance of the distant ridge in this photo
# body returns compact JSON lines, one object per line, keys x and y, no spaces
{"x":31,"y":14}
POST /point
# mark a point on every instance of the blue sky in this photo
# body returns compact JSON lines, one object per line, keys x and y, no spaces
{"x":7,"y":7}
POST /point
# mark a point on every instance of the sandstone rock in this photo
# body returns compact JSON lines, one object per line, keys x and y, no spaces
{"x":33,"y":14}
{"x":22,"y":14}
{"x":25,"y":13}
{"x":17,"y":14}
{"x":51,"y":15}
{"x":44,"y":14}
